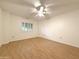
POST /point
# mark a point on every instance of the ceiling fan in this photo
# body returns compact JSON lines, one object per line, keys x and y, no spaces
{"x":32,"y":9}
{"x":40,"y":9}
{"x":36,"y":9}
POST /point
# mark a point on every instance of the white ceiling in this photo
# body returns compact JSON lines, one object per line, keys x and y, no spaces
{"x":24,"y":8}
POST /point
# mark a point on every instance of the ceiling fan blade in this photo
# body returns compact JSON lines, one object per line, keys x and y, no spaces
{"x":29,"y":3}
{"x":37,"y":3}
{"x":49,"y":5}
{"x":16,"y":9}
{"x":31,"y":16}
{"x":20,"y":2}
{"x":43,"y":2}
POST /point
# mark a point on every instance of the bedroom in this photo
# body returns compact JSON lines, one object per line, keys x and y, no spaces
{"x":52,"y":20}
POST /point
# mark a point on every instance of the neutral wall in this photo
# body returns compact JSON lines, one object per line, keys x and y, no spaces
{"x":63,"y":28}
{"x":0,"y":26}
{"x":12,"y":28}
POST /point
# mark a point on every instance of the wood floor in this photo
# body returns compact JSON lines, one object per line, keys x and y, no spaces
{"x":38,"y":48}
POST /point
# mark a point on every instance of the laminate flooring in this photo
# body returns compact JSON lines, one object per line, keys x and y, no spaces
{"x":38,"y":48}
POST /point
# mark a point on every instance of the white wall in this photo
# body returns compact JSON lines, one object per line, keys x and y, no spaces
{"x":63,"y":28}
{"x":12,"y":28}
{"x":0,"y":26}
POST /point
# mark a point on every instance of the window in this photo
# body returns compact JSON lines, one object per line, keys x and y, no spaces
{"x":27,"y":26}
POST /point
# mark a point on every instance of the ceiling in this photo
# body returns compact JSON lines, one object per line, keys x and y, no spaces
{"x":25,"y":8}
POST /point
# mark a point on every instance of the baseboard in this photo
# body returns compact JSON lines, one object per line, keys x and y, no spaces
{"x":46,"y":37}
{"x":3,"y":43}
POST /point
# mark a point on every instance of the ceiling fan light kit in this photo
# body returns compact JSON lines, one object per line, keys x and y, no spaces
{"x":40,"y":9}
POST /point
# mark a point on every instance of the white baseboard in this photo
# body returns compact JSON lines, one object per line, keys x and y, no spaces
{"x":67,"y":43}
